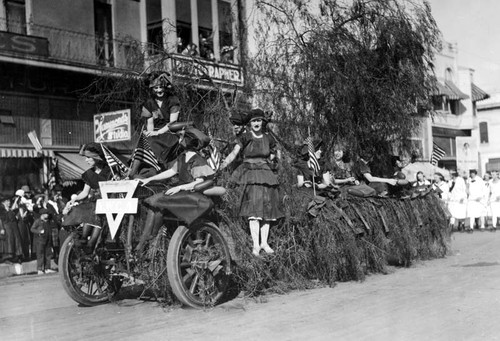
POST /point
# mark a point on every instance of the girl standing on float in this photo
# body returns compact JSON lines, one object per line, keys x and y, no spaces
{"x":260,"y":198}
{"x":495,"y":199}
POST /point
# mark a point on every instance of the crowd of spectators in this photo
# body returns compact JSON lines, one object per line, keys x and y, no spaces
{"x":30,"y":226}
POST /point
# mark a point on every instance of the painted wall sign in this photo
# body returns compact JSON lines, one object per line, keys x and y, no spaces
{"x":112,"y":126}
{"x":219,"y":73}
{"x":19,"y":43}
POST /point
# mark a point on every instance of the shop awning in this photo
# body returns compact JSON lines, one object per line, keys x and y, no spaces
{"x":478,"y":94}
{"x":71,"y":166}
{"x":456,"y":93}
{"x":24,"y":153}
{"x":442,"y":90}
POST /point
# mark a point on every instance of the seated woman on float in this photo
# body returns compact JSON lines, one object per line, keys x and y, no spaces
{"x":192,"y":169}
{"x":306,"y":176}
{"x":364,"y":174}
{"x":190,"y":166}
{"x":342,"y":174}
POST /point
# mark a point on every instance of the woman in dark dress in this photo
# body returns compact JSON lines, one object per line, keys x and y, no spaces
{"x":84,"y":210}
{"x":10,"y":240}
{"x":160,"y":111}
{"x":260,"y":198}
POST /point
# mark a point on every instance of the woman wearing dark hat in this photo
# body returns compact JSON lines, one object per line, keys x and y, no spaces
{"x":191,"y":169}
{"x":260,"y":198}
{"x":306,"y":176}
{"x":99,"y":171}
{"x":160,"y":111}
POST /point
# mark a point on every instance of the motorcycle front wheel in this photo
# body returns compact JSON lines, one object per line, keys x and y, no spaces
{"x":198,"y":265}
{"x":85,"y":277}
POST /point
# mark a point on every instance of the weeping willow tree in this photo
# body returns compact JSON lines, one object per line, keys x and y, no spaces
{"x":360,"y":71}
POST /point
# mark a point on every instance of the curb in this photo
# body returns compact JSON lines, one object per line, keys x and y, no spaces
{"x":15,"y":269}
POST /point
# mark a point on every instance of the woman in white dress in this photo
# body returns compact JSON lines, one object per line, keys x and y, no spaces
{"x":476,"y":204}
{"x":494,"y":199}
{"x":457,"y":201}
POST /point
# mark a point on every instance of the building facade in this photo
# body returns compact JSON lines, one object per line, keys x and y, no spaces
{"x":453,"y":125}
{"x":488,"y":117}
{"x":51,"y":50}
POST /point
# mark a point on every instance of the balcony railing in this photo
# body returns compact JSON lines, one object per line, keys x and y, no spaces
{"x":80,"y":48}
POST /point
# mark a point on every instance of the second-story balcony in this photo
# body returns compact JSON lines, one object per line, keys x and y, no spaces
{"x":58,"y":46}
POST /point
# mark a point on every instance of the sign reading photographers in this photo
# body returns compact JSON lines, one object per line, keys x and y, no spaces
{"x":218,"y":72}
{"x":112,"y":126}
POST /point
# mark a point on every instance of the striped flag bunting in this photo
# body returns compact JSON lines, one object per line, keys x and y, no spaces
{"x":312,"y":163}
{"x":437,"y":154}
{"x":35,"y":141}
{"x":113,"y":160}
{"x":144,"y":153}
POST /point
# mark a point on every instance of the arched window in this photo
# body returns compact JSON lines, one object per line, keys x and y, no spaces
{"x":483,"y":132}
{"x":448,"y":74}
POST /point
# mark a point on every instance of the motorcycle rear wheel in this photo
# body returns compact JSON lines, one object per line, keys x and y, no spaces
{"x":84,"y":278}
{"x":198,"y":265}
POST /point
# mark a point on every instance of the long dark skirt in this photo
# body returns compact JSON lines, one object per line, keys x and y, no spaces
{"x":24,"y":233}
{"x":165,"y":147}
{"x":260,"y":201}
{"x":11,"y":246}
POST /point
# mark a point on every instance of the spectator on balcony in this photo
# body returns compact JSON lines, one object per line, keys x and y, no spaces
{"x":206,"y":50}
{"x":191,"y":50}
{"x":227,"y":54}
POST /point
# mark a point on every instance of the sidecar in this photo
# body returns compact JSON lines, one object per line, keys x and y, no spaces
{"x":94,"y":262}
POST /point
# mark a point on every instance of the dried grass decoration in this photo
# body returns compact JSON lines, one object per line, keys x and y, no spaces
{"x":325,"y":239}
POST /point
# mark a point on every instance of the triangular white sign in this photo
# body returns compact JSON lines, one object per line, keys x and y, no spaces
{"x":118,"y":206}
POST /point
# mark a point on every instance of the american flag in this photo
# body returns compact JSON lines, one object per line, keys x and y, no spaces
{"x":113,"y":160}
{"x":312,"y":163}
{"x":144,"y":153}
{"x":437,"y":154}
{"x":214,"y":158}
{"x":54,"y":177}
{"x":35,"y":141}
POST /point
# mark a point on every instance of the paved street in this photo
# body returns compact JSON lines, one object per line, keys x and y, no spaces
{"x":456,"y":298}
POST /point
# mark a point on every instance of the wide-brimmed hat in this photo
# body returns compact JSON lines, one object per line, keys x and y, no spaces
{"x":20,"y":193}
{"x":256,"y":114}
{"x":43,"y":211}
{"x":159,"y":79}
{"x":92,"y":150}
{"x":26,"y":188}
{"x":239,"y":118}
{"x":194,"y":139}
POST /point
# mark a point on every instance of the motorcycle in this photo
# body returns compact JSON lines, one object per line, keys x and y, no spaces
{"x":95,"y":262}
